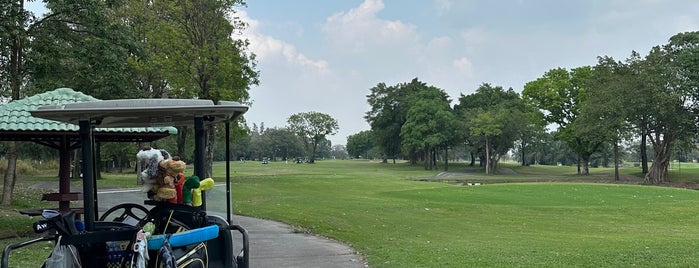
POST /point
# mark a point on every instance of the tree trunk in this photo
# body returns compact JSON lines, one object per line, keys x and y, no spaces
{"x":616,"y":160}
{"x":524,"y":162}
{"x":16,"y":78}
{"x":605,"y":160}
{"x":413,"y":157}
{"x":586,"y":165}
{"x":210,"y":134}
{"x":494,"y":162}
{"x":434,"y":158}
{"x":425,"y":156}
{"x":120,"y":163}
{"x":644,"y":153}
{"x":661,"y":160}
{"x":312,"y":159}
{"x":487,"y":156}
{"x":579,"y":173}
{"x":181,"y":143}
{"x":473,"y":159}
{"x":446,"y":158}
{"x":100,"y":164}
{"x":10,"y":174}
{"x":76,"y":164}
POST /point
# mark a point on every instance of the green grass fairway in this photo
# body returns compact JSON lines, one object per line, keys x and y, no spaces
{"x":403,"y":216}
{"x":396,"y":221}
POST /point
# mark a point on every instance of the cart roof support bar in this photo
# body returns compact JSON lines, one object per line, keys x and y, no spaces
{"x":88,"y":176}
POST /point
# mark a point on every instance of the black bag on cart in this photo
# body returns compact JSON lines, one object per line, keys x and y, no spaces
{"x":173,"y":218}
{"x":168,"y":218}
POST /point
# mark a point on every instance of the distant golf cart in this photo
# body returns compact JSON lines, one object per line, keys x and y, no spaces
{"x":114,"y":239}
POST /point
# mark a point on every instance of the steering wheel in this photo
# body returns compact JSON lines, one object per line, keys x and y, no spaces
{"x":128,"y":211}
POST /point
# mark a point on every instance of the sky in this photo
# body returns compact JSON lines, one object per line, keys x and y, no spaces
{"x":325,"y":56}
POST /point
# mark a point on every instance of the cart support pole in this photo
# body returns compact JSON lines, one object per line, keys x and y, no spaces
{"x":228,"y":171}
{"x":200,"y":154}
{"x":88,"y":182}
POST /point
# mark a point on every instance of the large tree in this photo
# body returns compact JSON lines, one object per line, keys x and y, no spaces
{"x":190,"y":51}
{"x":606,"y":112}
{"x":75,"y":44}
{"x":280,"y":142}
{"x":79,"y":44}
{"x":488,"y":125}
{"x":492,"y":120}
{"x":389,"y":108}
{"x":669,"y":80}
{"x":560,"y":94}
{"x":13,"y":38}
{"x":430,"y":124}
{"x":312,"y":127}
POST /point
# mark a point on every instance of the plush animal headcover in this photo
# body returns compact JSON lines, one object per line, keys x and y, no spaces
{"x":205,"y":184}
{"x":191,"y":182}
{"x":148,"y":159}
{"x":171,"y":170}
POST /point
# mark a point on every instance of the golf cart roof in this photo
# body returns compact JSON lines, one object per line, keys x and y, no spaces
{"x":142,"y":112}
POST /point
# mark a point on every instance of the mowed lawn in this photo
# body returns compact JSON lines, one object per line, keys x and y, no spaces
{"x":403,"y":216}
{"x":386,"y":213}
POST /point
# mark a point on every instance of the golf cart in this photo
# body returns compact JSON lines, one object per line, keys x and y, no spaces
{"x":189,"y":235}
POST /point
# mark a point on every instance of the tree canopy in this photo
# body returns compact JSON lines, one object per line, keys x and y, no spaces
{"x":492,"y":120}
{"x":312,"y":127}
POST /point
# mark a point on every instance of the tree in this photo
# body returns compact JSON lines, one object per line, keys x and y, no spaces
{"x":532,"y":131}
{"x":312,"y":127}
{"x":75,"y":44}
{"x":119,"y":153}
{"x":668,"y":79}
{"x":430,"y":124}
{"x":192,"y":54}
{"x":281,"y":142}
{"x":79,"y":44}
{"x":389,"y":108}
{"x":605,"y":113}
{"x":492,"y":120}
{"x":339,"y":151}
{"x":487,"y":125}
{"x":561,"y":94}
{"x":359,"y":144}
{"x":14,"y":37}
{"x":324,"y":149}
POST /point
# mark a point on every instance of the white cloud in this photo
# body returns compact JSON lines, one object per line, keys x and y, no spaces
{"x":268,"y":48}
{"x":359,"y":29}
{"x":443,"y":5}
{"x":392,"y":51}
{"x":474,"y":35}
{"x":463,"y":65}
{"x":439,"y":43}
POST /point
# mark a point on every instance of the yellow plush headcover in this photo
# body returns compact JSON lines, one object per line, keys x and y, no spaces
{"x":204,"y":185}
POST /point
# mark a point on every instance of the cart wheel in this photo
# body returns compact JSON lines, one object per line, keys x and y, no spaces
{"x":128,"y":210}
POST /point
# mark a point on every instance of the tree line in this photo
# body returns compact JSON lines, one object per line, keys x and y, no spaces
{"x":650,"y":101}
